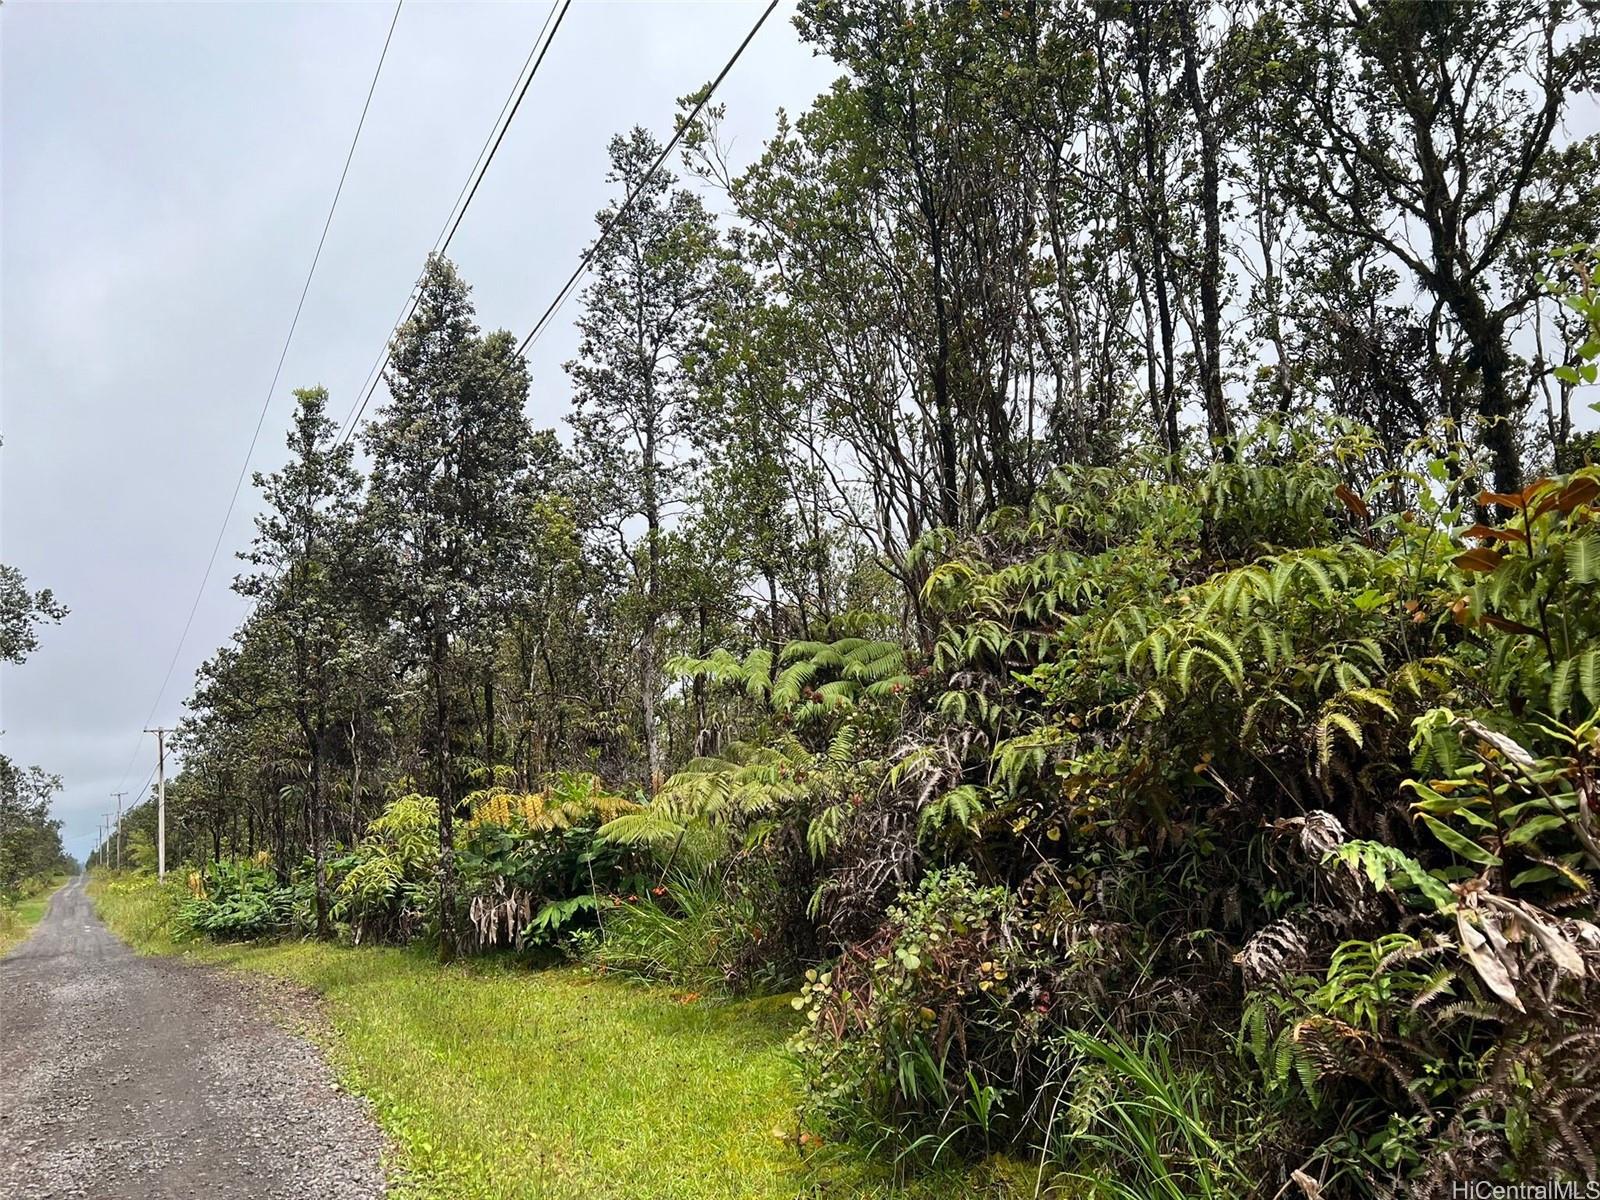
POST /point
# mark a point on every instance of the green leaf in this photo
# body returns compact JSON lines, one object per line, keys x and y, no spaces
{"x":1589,"y":674}
{"x":1462,"y":845}
{"x":1583,"y":559}
{"x":1530,"y":829}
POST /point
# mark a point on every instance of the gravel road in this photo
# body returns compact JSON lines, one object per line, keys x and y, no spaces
{"x":131,"y":1078}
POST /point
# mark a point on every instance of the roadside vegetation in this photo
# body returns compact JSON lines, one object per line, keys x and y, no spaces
{"x":18,"y":918}
{"x":33,"y":862}
{"x":497,"y":1083}
{"x":1054,"y":629}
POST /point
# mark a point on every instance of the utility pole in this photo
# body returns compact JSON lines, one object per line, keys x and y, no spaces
{"x":119,"y":796}
{"x":161,"y":800}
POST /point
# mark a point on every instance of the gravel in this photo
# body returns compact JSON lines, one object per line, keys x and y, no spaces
{"x":132,"y":1078}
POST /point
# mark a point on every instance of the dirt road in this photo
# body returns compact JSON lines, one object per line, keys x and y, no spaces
{"x":131,"y":1078}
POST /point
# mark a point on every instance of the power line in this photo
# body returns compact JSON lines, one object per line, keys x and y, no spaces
{"x":266,"y":402}
{"x":469,"y":189}
{"x":683,"y":127}
{"x":464,"y":200}
{"x":589,"y":255}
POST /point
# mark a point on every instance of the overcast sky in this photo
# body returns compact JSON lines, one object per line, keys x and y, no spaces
{"x":166,"y":171}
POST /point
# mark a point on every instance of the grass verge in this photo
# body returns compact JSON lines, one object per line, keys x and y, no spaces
{"x":498,"y":1083}
{"x":17,"y":920}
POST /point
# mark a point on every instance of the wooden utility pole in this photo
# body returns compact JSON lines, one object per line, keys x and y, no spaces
{"x":119,"y":796}
{"x":161,"y":800}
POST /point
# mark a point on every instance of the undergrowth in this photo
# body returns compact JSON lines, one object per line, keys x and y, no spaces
{"x":18,"y":919}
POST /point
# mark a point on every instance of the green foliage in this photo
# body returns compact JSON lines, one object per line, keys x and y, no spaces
{"x":240,"y":901}
{"x":30,"y":838}
{"x":19,"y":916}
{"x":1048,"y":730}
{"x":389,"y":888}
{"x":1145,"y":1126}
{"x":687,"y":931}
{"x":907,"y":1036}
{"x":533,"y":867}
{"x":812,"y":684}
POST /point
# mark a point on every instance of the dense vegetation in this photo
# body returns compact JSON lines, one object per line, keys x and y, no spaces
{"x":1065,"y":573}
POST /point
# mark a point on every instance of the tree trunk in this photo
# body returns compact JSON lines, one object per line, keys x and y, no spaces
{"x":1218,"y":425}
{"x":443,"y":787}
{"x":489,"y":747}
{"x":1155,"y":233}
{"x":319,"y":839}
{"x":1497,"y":425}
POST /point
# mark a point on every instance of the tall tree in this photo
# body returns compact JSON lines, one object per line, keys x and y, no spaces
{"x":306,"y":557}
{"x":30,"y":839}
{"x":22,"y":611}
{"x":450,"y":453}
{"x":1428,"y":131}
{"x":653,"y":278}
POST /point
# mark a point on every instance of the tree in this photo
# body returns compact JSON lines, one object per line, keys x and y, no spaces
{"x":653,"y":278}
{"x":1427,"y":131}
{"x":307,"y":559}
{"x":30,"y":839}
{"x":450,"y":453}
{"x":21,"y":613}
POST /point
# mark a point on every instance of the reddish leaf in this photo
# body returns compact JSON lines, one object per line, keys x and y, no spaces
{"x":1500,"y":499}
{"x":1353,"y":502}
{"x":1481,"y":559}
{"x":1495,"y":621}
{"x":1577,"y":492}
{"x":1489,"y":532}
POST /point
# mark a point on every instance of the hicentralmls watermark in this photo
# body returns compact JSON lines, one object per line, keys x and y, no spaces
{"x":1555,"y":1189}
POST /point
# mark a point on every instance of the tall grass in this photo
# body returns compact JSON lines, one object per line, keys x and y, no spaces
{"x":139,"y":910}
{"x":1149,"y":1133}
{"x":689,"y":936}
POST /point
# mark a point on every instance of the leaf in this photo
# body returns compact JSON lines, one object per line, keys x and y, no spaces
{"x":1530,"y":829}
{"x":1458,"y":842}
{"x":1353,"y":502}
{"x":1505,"y":624}
{"x":1490,"y":533}
{"x":1583,"y":559}
{"x":1489,"y":965}
{"x":1325,"y":727}
{"x":1561,"y":686}
{"x":1564,"y":954}
{"x":1479,"y":559}
{"x":1517,"y":500}
{"x":1577,"y":492}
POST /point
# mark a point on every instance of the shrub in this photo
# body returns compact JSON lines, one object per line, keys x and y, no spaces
{"x":687,"y":931}
{"x":533,"y":868}
{"x":238,"y":901}
{"x":913,"y":1039}
{"x":390,"y":889}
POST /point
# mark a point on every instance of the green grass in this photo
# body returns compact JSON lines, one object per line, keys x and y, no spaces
{"x":17,"y":920}
{"x":499,"y":1082}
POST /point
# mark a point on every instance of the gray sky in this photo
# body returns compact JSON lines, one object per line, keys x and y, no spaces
{"x":166,"y":171}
